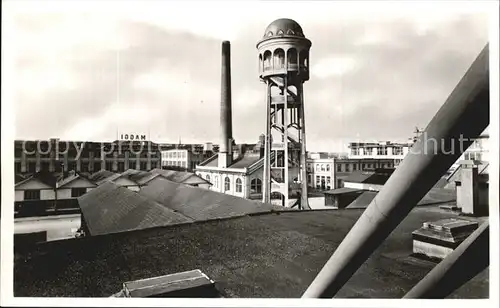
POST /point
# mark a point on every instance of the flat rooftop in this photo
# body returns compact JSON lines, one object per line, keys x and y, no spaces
{"x":254,"y":256}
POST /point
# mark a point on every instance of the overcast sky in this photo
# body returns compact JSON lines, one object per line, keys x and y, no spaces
{"x":95,"y":68}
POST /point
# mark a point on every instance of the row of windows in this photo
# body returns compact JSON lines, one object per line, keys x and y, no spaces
{"x":85,"y":154}
{"x":255,"y":184}
{"x":277,"y":61}
{"x":472,"y":155}
{"x":175,"y":163}
{"x":227,"y":183}
{"x":322,"y":167}
{"x":85,"y":166}
{"x":182,"y":154}
{"x":34,"y":194}
{"x":323,"y":182}
{"x":380,"y":151}
{"x":348,"y":167}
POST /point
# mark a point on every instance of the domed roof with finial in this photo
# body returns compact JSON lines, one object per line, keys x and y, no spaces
{"x":283,"y":27}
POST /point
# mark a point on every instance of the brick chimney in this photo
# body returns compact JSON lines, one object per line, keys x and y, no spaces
{"x":226,"y":123}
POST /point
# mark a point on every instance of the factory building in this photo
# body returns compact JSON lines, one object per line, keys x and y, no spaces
{"x":55,"y":155}
{"x":321,"y":173}
{"x":242,"y":178}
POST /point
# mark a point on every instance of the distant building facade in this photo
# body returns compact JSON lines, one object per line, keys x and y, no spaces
{"x":55,"y":155}
{"x":44,"y":192}
{"x":380,"y":150}
{"x":321,"y":173}
{"x":242,"y":178}
{"x":184,"y":158}
{"x":329,"y":173}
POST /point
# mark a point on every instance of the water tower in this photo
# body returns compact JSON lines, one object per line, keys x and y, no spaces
{"x":284,"y":67}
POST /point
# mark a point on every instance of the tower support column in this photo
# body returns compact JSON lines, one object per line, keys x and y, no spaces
{"x":304,"y":202}
{"x":266,"y":184}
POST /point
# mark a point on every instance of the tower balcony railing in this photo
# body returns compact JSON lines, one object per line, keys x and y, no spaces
{"x":282,"y":70}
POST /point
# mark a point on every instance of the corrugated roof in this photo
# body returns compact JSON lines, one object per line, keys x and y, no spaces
{"x":66,"y":180}
{"x":110,"y":208}
{"x":47,"y":178}
{"x":202,"y":204}
{"x":138,"y":176}
{"x":180,"y":176}
{"x":71,"y":178}
{"x":173,"y":175}
{"x":100,"y":175}
{"x":211,"y":162}
{"x":244,"y":161}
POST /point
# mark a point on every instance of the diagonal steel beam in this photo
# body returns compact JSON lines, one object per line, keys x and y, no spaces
{"x":464,"y":115}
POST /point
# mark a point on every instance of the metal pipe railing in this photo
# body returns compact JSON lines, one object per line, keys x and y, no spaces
{"x":463,"y":116}
{"x":470,"y":258}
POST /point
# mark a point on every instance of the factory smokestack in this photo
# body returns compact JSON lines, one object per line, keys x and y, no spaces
{"x":225,"y":151}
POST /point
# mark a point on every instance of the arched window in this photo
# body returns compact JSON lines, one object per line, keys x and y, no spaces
{"x":322,"y":167}
{"x":256,"y":186}
{"x":267,"y":60}
{"x":216,"y":181}
{"x":303,"y":58}
{"x":292,"y":56}
{"x":227,"y":184}
{"x":279,"y":58}
{"x":208,"y":178}
{"x":238,"y":185}
{"x":317,"y":167}
{"x":327,"y":167}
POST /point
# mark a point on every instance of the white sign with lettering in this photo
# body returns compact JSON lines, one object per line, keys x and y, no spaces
{"x":133,"y":137}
